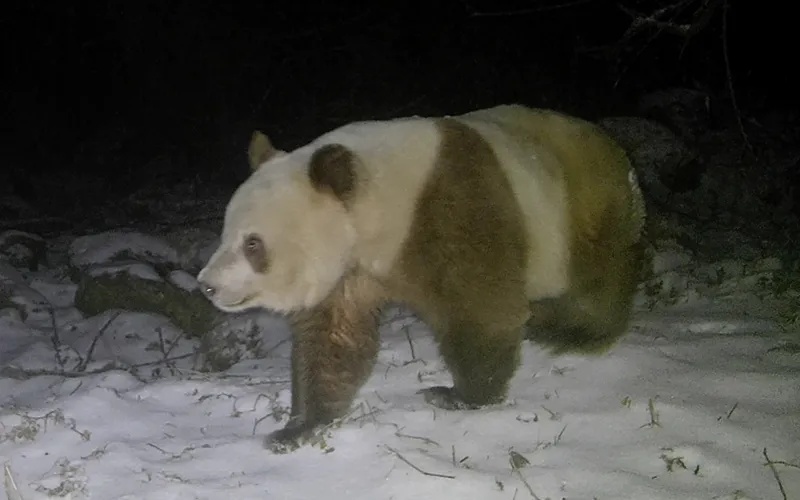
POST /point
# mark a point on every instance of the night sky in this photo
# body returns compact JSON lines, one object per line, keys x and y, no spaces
{"x":133,"y":92}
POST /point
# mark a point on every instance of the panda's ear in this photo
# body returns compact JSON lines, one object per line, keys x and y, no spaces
{"x":333,"y":168}
{"x":260,"y":150}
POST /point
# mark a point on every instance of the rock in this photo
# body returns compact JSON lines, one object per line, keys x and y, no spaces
{"x":663,"y":162}
{"x":138,"y":272}
{"x":23,"y":250}
{"x":686,"y":111}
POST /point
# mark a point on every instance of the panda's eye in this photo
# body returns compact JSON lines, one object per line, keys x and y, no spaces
{"x":255,"y":252}
{"x":252,"y":244}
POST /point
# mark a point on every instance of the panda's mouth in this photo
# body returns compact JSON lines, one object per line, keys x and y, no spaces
{"x":237,"y":305}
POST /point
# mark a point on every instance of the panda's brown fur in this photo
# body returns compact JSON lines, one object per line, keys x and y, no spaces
{"x":465,"y":263}
{"x":471,"y":290}
{"x":334,"y":349}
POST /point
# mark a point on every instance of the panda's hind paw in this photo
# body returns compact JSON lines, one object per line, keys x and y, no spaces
{"x":445,"y":398}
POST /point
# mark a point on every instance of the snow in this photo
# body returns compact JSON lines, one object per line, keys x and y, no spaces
{"x":137,"y":269}
{"x":183,"y":280}
{"x":86,"y":250}
{"x":685,"y":407}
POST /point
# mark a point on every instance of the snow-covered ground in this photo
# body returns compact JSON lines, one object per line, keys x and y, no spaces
{"x":700,"y":401}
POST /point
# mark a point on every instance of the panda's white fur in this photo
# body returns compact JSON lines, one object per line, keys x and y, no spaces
{"x":309,"y":234}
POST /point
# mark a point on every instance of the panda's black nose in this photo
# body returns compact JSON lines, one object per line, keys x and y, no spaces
{"x":208,"y":290}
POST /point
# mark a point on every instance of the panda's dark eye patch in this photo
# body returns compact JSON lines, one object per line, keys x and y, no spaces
{"x":256,"y":253}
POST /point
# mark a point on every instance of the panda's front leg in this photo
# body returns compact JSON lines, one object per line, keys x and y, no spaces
{"x":334,"y":348}
{"x":302,"y":423}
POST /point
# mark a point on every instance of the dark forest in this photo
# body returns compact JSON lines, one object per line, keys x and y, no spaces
{"x":105,"y":99}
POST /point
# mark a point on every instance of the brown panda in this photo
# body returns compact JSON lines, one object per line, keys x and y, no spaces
{"x":493,"y":226}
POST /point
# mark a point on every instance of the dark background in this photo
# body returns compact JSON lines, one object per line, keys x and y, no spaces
{"x":121,"y":95}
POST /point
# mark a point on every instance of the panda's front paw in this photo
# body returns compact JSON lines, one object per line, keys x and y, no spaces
{"x":288,"y":439}
{"x":445,"y":398}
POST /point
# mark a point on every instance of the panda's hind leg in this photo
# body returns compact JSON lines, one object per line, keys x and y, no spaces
{"x":481,"y":361}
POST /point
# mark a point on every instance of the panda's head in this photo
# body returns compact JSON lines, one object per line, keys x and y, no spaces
{"x":287,"y":236}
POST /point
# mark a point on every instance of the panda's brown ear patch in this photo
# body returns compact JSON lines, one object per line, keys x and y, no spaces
{"x":333,"y":168}
{"x":255,"y":252}
{"x":260,"y":150}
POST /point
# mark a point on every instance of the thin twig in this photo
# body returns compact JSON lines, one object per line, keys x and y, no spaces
{"x":158,"y":361}
{"x":729,"y":78}
{"x":651,"y":410}
{"x":278,"y":344}
{"x":410,"y":342}
{"x":174,"y":342}
{"x":82,"y":366}
{"x":528,"y":486}
{"x":162,"y":450}
{"x":421,"y":438}
{"x":56,"y":337}
{"x":784,"y":463}
{"x":662,"y":21}
{"x":238,"y":412}
{"x":165,"y":351}
{"x":423,"y":472}
{"x":12,"y":490}
{"x":771,"y":465}
{"x":22,"y":374}
{"x":641,"y":21}
{"x":371,"y":412}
